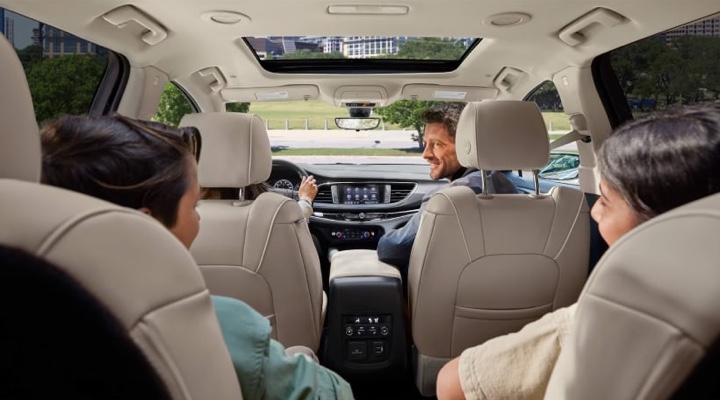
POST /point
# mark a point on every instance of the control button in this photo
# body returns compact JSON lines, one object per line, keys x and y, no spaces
{"x":378,"y":348}
{"x":373,"y":330}
{"x":349,"y":330}
{"x":384,"y":330}
{"x":357,"y":350}
{"x":361,"y":330}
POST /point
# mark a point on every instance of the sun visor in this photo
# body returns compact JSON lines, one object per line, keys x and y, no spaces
{"x":277,"y":93}
{"x":424,"y":91}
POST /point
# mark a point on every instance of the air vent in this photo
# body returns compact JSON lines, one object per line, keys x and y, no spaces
{"x":324,"y":195}
{"x":400,"y":191}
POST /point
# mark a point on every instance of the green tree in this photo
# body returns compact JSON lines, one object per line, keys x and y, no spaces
{"x":431,"y":49}
{"x":681,"y":70}
{"x":306,"y":54}
{"x":64,"y":85}
{"x":30,"y":56}
{"x":237,"y":107}
{"x":408,"y":114}
{"x":174,"y":105}
{"x":546,"y":97}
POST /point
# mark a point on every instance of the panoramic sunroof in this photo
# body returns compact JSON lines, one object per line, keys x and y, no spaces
{"x":361,"y":54}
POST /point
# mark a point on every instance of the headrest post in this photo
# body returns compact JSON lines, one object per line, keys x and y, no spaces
{"x":536,"y":181}
{"x":241,"y":194}
{"x":484,"y":179}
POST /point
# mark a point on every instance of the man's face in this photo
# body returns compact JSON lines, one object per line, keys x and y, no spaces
{"x":440,"y":151}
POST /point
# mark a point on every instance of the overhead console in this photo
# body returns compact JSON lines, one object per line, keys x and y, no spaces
{"x":346,"y":96}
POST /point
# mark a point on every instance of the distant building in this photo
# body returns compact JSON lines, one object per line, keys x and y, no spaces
{"x":7,"y":27}
{"x":350,"y":47}
{"x":329,"y":44}
{"x":708,"y":27}
{"x":371,"y":46}
{"x":276,"y":46}
{"x":265,"y":47}
{"x":58,"y":43}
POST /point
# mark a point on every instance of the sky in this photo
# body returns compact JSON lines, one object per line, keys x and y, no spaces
{"x":23,"y":29}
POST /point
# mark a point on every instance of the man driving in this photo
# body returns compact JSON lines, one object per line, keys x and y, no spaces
{"x":440,"y":127}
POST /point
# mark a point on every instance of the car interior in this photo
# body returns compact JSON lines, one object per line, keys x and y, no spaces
{"x":544,"y":82}
{"x":101,"y":324}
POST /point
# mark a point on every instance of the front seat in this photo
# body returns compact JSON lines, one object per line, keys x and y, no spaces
{"x":258,"y":251}
{"x":98,"y":301}
{"x":647,"y":324}
{"x":485,"y":265}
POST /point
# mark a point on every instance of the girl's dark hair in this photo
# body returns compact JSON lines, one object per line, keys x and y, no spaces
{"x":665,"y":160}
{"x":128,"y":162}
{"x":447,"y":114}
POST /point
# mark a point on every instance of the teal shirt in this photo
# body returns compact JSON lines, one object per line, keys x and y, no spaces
{"x":261,"y":365}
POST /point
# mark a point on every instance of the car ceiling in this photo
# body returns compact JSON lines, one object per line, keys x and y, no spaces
{"x":194,"y":43}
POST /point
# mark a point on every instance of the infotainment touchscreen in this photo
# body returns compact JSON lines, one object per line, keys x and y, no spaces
{"x":360,"y":194}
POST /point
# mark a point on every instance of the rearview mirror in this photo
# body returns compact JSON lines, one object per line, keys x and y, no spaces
{"x":357,"y":124}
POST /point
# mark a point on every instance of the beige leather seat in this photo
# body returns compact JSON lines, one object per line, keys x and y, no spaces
{"x":138,"y":287}
{"x":485,"y":265}
{"x":647,"y":325}
{"x":260,"y":251}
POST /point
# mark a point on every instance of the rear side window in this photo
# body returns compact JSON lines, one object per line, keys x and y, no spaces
{"x":63,"y":71}
{"x":677,"y":67}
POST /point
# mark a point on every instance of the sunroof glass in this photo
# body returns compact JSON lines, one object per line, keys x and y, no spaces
{"x":303,"y":48}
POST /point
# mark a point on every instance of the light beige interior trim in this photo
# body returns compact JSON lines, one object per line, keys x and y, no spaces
{"x":360,"y":262}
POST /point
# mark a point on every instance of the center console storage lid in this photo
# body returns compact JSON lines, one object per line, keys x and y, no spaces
{"x":360,"y":262}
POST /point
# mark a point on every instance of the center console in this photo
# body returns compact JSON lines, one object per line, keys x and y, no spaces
{"x":366,"y":335}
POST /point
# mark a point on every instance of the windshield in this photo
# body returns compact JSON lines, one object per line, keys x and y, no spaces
{"x":305,"y":131}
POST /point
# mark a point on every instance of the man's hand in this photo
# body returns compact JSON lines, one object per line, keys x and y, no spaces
{"x":308,"y":189}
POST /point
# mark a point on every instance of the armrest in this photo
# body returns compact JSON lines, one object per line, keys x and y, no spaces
{"x":360,"y":262}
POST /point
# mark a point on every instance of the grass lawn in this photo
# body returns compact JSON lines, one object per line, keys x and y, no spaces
{"x":317,"y":114}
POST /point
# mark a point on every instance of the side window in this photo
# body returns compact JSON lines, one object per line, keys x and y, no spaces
{"x":173,"y":105}
{"x":63,"y":71}
{"x":564,"y":160}
{"x":676,"y":67}
{"x":548,"y":99}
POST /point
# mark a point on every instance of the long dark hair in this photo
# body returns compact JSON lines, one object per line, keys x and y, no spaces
{"x":665,"y":160}
{"x":126,"y":161}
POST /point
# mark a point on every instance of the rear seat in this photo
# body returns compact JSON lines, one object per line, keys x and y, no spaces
{"x":88,"y":311}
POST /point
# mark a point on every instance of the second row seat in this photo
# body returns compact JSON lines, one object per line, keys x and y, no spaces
{"x":258,"y":251}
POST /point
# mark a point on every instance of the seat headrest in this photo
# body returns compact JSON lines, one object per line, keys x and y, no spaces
{"x":137,"y":270}
{"x":502,"y":135}
{"x":19,"y":138}
{"x":649,"y":306}
{"x":236,"y":149}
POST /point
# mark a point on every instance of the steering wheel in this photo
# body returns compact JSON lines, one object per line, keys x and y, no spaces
{"x":291,"y":166}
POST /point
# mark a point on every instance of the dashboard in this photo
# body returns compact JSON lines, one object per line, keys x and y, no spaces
{"x":355,"y":204}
